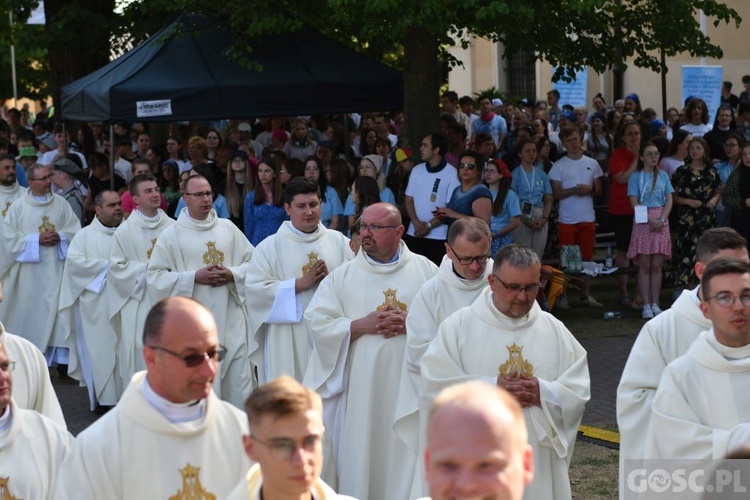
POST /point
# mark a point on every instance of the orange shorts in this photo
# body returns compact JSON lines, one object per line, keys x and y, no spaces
{"x":582,"y":234}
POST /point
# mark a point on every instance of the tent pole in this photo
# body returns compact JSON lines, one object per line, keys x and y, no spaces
{"x":112,"y":156}
{"x":65,"y":138}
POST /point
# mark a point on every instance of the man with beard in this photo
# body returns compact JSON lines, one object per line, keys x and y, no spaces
{"x":10,"y":190}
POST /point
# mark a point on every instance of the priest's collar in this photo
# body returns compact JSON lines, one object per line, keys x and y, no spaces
{"x":464,"y":280}
{"x":376,"y":262}
{"x":41,"y":199}
{"x":5,"y":420}
{"x":203,"y":222}
{"x":695,"y":295}
{"x":729,"y":353}
{"x":176,"y":413}
{"x":105,"y":225}
{"x":302,"y":233}
{"x":154,"y":218}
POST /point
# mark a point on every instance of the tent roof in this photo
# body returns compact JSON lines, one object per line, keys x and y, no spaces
{"x":188,"y":77}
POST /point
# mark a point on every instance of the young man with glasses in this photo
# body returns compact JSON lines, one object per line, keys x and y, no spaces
{"x":205,"y":257}
{"x":701,"y":410}
{"x":36,"y":232}
{"x":504,"y":338}
{"x":357,"y":321}
{"x":169,"y":435}
{"x":286,"y":444}
{"x":459,"y":280}
{"x":664,"y":339}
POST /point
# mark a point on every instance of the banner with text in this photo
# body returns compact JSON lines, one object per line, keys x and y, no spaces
{"x":575,"y":92}
{"x":703,"y":82}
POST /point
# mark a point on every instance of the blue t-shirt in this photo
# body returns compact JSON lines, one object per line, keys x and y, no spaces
{"x":639,"y":184}
{"x":220,"y":205}
{"x":21,"y":176}
{"x":494,"y":127}
{"x":330,"y":207}
{"x":531,"y":187}
{"x":386,"y":195}
{"x":511,"y":208}
{"x":261,"y":221}
{"x":461,"y":201}
{"x":725,"y":169}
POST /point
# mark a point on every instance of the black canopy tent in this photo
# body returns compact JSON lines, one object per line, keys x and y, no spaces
{"x":188,"y":77}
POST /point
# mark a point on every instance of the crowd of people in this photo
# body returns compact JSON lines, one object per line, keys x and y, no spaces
{"x":339,"y":288}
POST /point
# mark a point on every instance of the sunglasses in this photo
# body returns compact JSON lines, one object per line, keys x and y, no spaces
{"x":194,"y":360}
{"x":470,"y":166}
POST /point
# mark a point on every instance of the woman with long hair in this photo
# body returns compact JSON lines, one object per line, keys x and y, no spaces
{"x":213,"y":143}
{"x":696,"y":116}
{"x":264,"y":206}
{"x":364,"y":192}
{"x":366,"y":146}
{"x":169,"y":181}
{"x":534,"y":192}
{"x":301,"y":144}
{"x":86,"y":143}
{"x":733,"y":147}
{"x":471,"y":198}
{"x":677,"y":152}
{"x":737,"y":194}
{"x":337,"y":176}
{"x":696,"y":193}
{"x":613,"y":121}
{"x":330,"y":205}
{"x":174,"y":149}
{"x":672,"y":119}
{"x":239,"y":183}
{"x":335,"y":135}
{"x":650,"y":243}
{"x":506,"y":211}
{"x":598,"y":141}
{"x":633,"y":105}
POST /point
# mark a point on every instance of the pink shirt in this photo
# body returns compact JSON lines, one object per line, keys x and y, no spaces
{"x":128,"y":206}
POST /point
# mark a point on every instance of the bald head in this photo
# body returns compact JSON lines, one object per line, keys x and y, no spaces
{"x":477,"y":444}
{"x":385,"y":210}
{"x":381,"y":230}
{"x":174,"y":309}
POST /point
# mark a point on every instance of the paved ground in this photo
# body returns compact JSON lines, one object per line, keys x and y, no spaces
{"x":606,"y":356}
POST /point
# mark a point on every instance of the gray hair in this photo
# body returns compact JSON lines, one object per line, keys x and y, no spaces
{"x":517,"y":256}
{"x":31,"y":171}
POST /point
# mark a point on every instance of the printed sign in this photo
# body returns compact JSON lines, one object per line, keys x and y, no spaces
{"x":145,"y":109}
{"x":573,"y":93}
{"x":703,"y":82}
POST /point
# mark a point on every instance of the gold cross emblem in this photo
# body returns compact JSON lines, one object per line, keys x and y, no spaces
{"x":516,"y":365}
{"x":192,"y":489}
{"x":7,"y":206}
{"x":5,"y":493}
{"x":391,"y":300}
{"x":212,"y":255}
{"x":153,"y":244}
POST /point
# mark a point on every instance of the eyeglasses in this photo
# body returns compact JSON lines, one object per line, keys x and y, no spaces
{"x":201,"y":194}
{"x":513,"y":288}
{"x":727,"y":300}
{"x":730,"y":145}
{"x":465,"y":261}
{"x":470,"y":166}
{"x":8,"y":366}
{"x":374,"y":228}
{"x":193,"y":360}
{"x":283,"y":449}
{"x":42,"y":179}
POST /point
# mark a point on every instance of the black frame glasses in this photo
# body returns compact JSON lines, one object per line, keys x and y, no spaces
{"x":374,"y":228}
{"x":283,"y":449}
{"x":194,"y":360}
{"x":515,"y":288}
{"x":465,"y":261}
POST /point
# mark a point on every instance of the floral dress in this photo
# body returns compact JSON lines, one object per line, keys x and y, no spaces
{"x":698,"y":185}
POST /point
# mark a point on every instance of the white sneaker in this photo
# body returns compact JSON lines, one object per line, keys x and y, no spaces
{"x":562,"y":303}
{"x":590,"y":301}
{"x":647,"y":312}
{"x":656,"y":309}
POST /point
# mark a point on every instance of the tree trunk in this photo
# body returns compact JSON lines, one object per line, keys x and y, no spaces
{"x":73,"y":54}
{"x":421,"y":86}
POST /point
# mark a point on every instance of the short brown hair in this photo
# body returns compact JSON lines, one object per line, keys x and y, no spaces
{"x":279,"y":398}
{"x":569,"y":130}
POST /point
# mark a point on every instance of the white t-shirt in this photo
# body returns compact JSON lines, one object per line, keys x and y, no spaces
{"x":429,"y":192}
{"x":575,"y":209}
{"x":697,"y":130}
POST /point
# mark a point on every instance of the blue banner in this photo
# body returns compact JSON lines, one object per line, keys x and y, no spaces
{"x":575,"y":92}
{"x":703,"y":82}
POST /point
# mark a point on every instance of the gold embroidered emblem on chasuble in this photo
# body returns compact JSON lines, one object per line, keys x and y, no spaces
{"x":46,"y":225}
{"x":312,"y":258}
{"x":7,"y":206}
{"x":391,"y":300}
{"x":516,"y":365}
{"x":5,"y":491}
{"x":192,"y":489}
{"x":212,"y":255}
{"x":150,"y":250}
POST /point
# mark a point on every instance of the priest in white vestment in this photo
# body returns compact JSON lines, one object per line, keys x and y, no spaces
{"x":31,"y":381}
{"x":205,"y":257}
{"x":701,"y":409}
{"x":132,"y":244}
{"x":32,"y":446}
{"x":282,"y":278}
{"x":662,"y":340}
{"x":460,"y":279}
{"x":286,"y":442}
{"x":10,"y":190}
{"x":357,"y":318}
{"x":36,"y":233}
{"x":84,"y":304}
{"x":169,"y":436}
{"x":505,"y":338}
